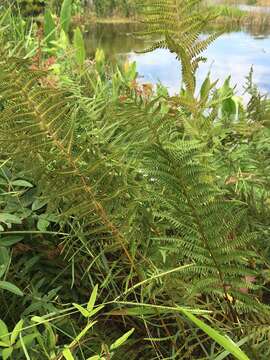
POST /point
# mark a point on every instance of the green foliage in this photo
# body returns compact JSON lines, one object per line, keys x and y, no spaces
{"x":110,"y":7}
{"x":162,"y":201}
{"x":65,"y":15}
{"x":49,"y":27}
{"x":79,"y":47}
{"x":28,"y":7}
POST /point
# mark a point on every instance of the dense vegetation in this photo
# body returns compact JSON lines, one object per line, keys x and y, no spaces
{"x":133,"y":224}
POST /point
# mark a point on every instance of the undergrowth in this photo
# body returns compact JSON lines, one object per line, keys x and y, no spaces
{"x":133,"y":224}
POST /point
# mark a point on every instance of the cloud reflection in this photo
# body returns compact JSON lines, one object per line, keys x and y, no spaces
{"x":231,"y":54}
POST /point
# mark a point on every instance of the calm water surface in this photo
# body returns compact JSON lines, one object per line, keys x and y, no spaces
{"x":232,"y":54}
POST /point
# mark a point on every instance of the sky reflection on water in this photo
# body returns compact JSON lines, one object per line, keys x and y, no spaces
{"x":231,"y":54}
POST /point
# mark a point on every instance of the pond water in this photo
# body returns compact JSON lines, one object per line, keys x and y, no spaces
{"x":233,"y":54}
{"x":254,"y":8}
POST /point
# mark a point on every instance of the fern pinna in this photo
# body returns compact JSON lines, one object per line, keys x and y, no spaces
{"x":201,"y":225}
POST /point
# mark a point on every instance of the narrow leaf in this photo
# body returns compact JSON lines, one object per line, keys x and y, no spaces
{"x":225,"y":342}
{"x":83,"y":332}
{"x":121,"y":340}
{"x":17,"y":329}
{"x":82,"y":310}
{"x":92,"y":299}
{"x":68,"y":355}
{"x":5,"y":285}
{"x":22,"y":183}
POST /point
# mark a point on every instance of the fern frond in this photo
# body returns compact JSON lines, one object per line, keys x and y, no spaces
{"x":199,"y":223}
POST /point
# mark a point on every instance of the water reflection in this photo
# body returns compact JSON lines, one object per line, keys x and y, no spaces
{"x":232,"y":54}
{"x":254,"y":8}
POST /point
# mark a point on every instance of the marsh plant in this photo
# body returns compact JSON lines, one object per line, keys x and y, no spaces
{"x":162,"y":201}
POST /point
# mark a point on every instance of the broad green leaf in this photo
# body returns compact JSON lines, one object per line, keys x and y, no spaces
{"x":10,"y":240}
{"x":82,"y":310}
{"x":225,"y":342}
{"x":92,"y":299}
{"x":95,"y":357}
{"x":17,"y":329}
{"x":79,"y":46}
{"x":68,"y":355}
{"x":9,"y":218}
{"x":49,"y":27}
{"x":25,"y":340}
{"x":6,"y":353}
{"x":38,"y":204}
{"x":4,"y":336}
{"x":22,"y":183}
{"x":5,"y":285}
{"x":121,"y":340}
{"x":42,"y":224}
{"x":65,"y":15}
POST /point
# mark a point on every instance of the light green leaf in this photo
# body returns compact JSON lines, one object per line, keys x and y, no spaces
{"x":82,"y":310}
{"x":4,"y":260}
{"x":42,"y":224}
{"x":38,"y":319}
{"x":5,"y":285}
{"x":96,"y":310}
{"x":68,"y":355}
{"x":92,"y":299}
{"x":17,"y":329}
{"x":95,"y":357}
{"x":121,"y":340}
{"x":23,"y":345}
{"x":78,"y":43}
{"x":9,"y":218}
{"x":38,"y":204}
{"x":22,"y":183}
{"x":25,"y":340}
{"x":49,"y":27}
{"x":225,"y":342}
{"x":83,"y":332}
{"x":65,"y":15}
{"x":3,"y":344}
{"x":4,"y":336}
{"x":204,"y":91}
{"x":6,"y":353}
{"x":10,"y":240}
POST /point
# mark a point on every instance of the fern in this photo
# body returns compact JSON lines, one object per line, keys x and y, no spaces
{"x":39,"y":131}
{"x":201,"y":225}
